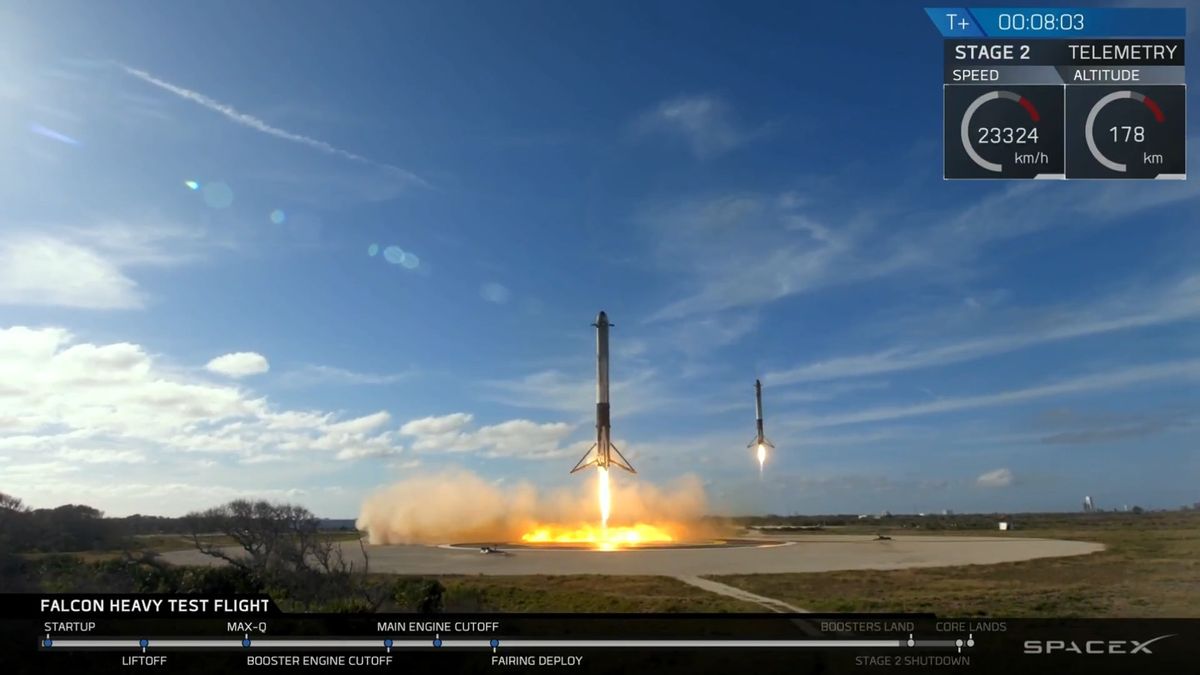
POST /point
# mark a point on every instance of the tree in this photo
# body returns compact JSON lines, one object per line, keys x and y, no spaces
{"x":282,"y":548}
{"x":9,"y":503}
{"x":16,"y":535}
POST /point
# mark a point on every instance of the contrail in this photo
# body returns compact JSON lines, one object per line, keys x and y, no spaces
{"x":259,"y":125}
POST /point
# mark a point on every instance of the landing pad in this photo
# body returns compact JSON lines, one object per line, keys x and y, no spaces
{"x":587,"y":546}
{"x":763,"y":555}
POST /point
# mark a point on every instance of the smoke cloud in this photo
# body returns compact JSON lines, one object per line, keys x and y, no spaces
{"x":457,"y":505}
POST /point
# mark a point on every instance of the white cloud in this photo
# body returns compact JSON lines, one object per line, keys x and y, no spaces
{"x":701,"y":334}
{"x":314,"y":375}
{"x":367,"y":452}
{"x":360,"y":425}
{"x":705,"y":123}
{"x":113,"y":403}
{"x":101,"y":456}
{"x":43,"y":270}
{"x":523,"y":438}
{"x":742,"y":250}
{"x":514,"y":438}
{"x":88,"y":267}
{"x":259,"y":125}
{"x":239,"y":364}
{"x":1117,"y":379}
{"x":144,"y":244}
{"x":557,"y":391}
{"x":995,"y":478}
{"x":164,"y":497}
{"x":825,"y":391}
{"x":264,"y":458}
{"x":547,"y":390}
{"x":1174,"y":303}
{"x":437,"y":425}
{"x":494,"y":292}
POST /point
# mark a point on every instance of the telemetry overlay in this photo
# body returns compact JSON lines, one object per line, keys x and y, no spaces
{"x":1063,"y":93}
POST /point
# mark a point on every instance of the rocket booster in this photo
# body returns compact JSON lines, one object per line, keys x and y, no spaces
{"x":760,"y":439}
{"x":603,"y":453}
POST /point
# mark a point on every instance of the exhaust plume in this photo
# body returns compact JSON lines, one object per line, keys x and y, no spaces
{"x":457,"y":505}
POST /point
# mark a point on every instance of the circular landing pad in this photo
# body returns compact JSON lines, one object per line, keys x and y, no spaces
{"x":807,"y":553}
{"x":649,"y":546}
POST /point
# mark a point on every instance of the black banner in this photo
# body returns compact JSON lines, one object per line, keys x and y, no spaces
{"x":194,"y":634}
{"x":1083,"y":52}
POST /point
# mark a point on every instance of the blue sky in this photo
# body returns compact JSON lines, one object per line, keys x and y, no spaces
{"x":748,"y":191}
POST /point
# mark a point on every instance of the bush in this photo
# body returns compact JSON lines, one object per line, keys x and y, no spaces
{"x":347,"y":606}
{"x":419,"y":595}
{"x":218,"y":581}
{"x":465,"y":600}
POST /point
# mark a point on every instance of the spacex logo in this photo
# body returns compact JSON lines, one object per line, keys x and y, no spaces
{"x":1092,"y":646}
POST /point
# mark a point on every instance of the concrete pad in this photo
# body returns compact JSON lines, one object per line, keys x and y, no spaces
{"x":813,"y":553}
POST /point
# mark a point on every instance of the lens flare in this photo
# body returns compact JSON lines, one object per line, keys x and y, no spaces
{"x":218,"y":195}
{"x":52,"y":134}
{"x":393,"y":254}
{"x":762,"y":457}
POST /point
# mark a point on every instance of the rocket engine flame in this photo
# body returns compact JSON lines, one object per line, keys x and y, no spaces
{"x":606,"y":539}
{"x":762,"y":457}
{"x":605,"y":497}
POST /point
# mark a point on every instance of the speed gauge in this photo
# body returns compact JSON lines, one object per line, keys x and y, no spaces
{"x":1003,"y":132}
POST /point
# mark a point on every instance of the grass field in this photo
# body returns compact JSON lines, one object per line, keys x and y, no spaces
{"x":161,"y":543}
{"x":1151,"y":567}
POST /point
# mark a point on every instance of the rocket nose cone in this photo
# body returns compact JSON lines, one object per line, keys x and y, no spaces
{"x":601,"y":317}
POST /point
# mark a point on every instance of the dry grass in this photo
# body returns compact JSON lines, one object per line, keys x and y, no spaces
{"x":1150,"y":568}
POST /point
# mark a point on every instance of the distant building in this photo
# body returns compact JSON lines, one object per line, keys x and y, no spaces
{"x":1004,"y":526}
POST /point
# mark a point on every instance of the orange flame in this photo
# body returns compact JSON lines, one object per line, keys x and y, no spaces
{"x":605,"y":497}
{"x":604,"y":538}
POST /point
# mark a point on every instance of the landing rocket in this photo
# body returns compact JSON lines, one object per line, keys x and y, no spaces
{"x":760,"y":440}
{"x":603,"y":453}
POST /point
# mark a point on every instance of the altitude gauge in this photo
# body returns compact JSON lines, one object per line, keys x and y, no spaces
{"x":1126,"y":132}
{"x":1003,"y":131}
